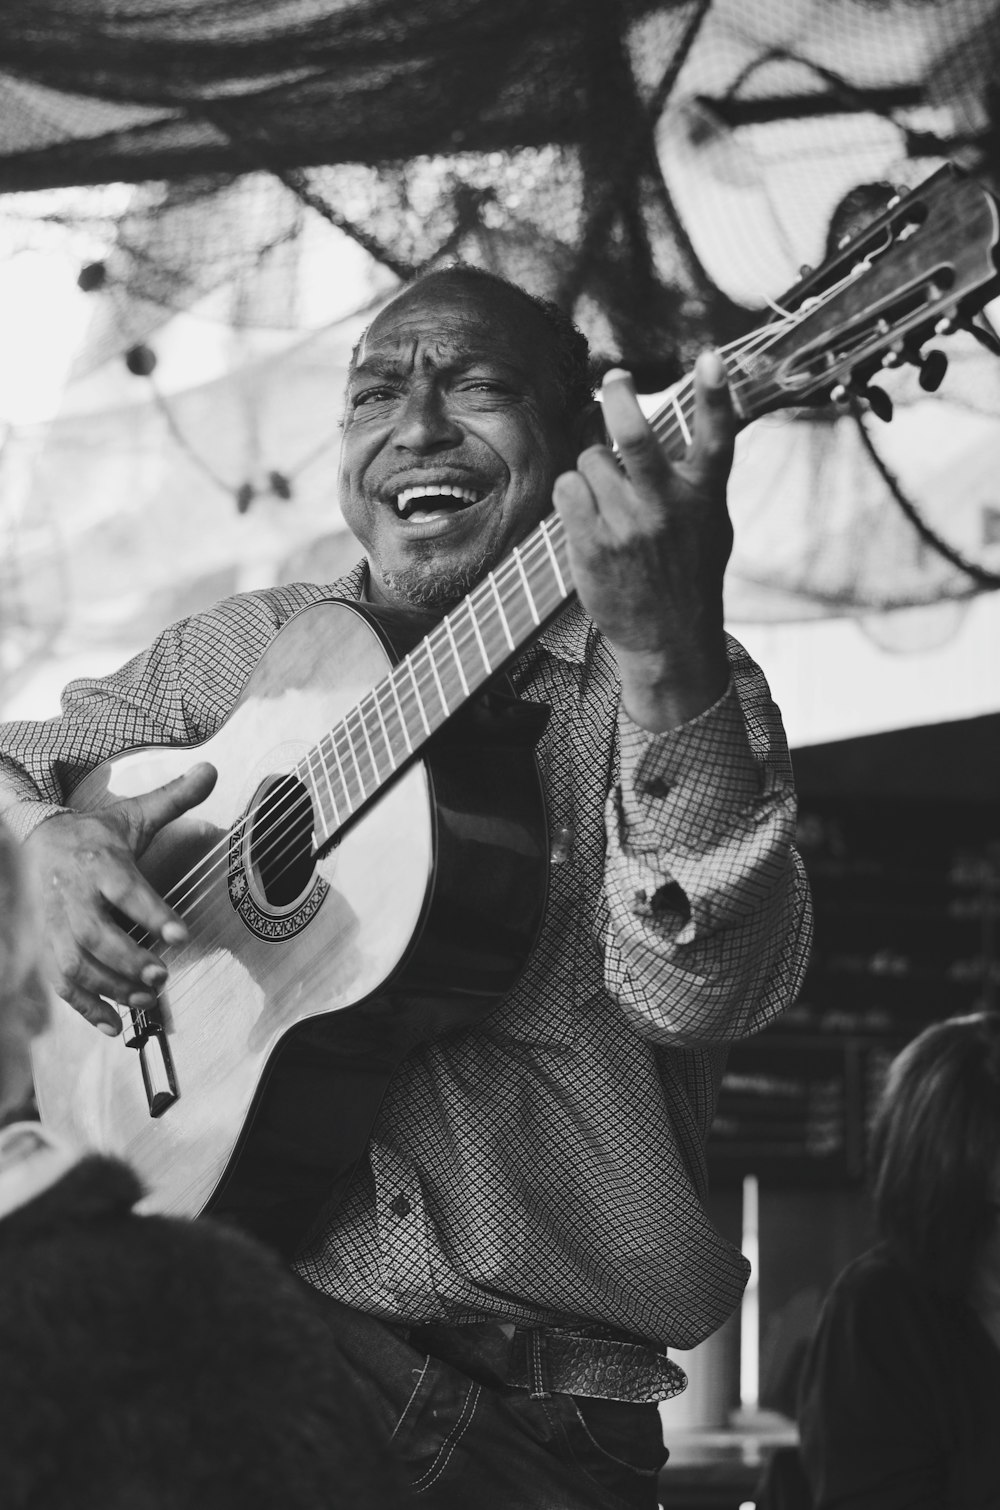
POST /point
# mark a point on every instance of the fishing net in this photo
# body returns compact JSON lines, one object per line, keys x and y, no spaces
{"x":662,"y":170}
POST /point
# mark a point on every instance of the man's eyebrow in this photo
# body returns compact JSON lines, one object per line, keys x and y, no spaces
{"x":386,"y":365}
{"x":376,"y":366}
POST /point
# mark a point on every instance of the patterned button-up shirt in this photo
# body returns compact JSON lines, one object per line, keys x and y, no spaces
{"x":547,"y":1166}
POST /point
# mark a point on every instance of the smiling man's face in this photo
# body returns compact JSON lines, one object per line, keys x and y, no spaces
{"x":453,"y":437}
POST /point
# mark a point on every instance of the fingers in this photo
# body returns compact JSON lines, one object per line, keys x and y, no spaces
{"x":124,"y":887}
{"x":146,"y":814}
{"x":90,"y":1006}
{"x":91,"y":893}
{"x":575,"y":503}
{"x":641,"y":453}
{"x":715,"y":425}
{"x":127,"y":969}
{"x":708,"y":425}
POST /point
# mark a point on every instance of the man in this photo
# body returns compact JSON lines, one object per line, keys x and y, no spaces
{"x":527,"y":1235}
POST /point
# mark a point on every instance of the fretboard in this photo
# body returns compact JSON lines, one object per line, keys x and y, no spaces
{"x":392,"y":722}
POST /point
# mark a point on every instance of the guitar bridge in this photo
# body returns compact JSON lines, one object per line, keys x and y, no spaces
{"x":144,"y":1032}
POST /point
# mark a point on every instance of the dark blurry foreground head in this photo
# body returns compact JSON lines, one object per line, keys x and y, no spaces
{"x":150,"y":1363}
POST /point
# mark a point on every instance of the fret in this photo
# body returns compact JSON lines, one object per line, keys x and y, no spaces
{"x":417,"y":694}
{"x":390,"y":712}
{"x":324,"y":820}
{"x":455,"y":652}
{"x":425,"y":645}
{"x":390,"y":753}
{"x":341,"y":773}
{"x":391,"y":679}
{"x":474,"y":620}
{"x":329,"y":785}
{"x":520,"y":604}
{"x":491,"y":579}
{"x":353,"y":751}
{"x":376,"y":773}
{"x":563,"y":589}
{"x":528,"y":594}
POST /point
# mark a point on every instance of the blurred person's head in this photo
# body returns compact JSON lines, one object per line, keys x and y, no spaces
{"x":23,"y":1002}
{"x":935,"y":1154}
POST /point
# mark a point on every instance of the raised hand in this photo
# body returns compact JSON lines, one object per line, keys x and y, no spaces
{"x":86,"y":863}
{"x":649,"y":545}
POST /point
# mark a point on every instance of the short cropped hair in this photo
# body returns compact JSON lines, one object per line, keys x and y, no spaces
{"x":573,"y":366}
{"x":934,"y":1149}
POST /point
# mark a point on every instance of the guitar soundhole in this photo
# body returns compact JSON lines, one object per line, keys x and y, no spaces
{"x":281,"y":853}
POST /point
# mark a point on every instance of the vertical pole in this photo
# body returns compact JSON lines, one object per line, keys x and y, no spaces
{"x":750,"y":1307}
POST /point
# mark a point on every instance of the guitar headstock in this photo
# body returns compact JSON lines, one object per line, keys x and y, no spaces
{"x":922,"y":268}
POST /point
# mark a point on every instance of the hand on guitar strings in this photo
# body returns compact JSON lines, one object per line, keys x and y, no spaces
{"x":649,"y":542}
{"x":87,"y":865}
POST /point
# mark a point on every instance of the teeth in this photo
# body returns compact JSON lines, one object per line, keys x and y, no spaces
{"x":435,"y":490}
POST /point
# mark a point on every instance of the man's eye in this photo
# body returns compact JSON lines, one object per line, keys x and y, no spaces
{"x":371,"y":396}
{"x":484,"y":385}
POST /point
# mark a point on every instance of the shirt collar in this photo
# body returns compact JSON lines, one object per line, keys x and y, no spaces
{"x":565,"y":637}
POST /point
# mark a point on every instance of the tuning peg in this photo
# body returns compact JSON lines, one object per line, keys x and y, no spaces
{"x":933,"y":366}
{"x":878,"y":401}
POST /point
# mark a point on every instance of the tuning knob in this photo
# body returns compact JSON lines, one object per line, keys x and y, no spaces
{"x":933,"y":366}
{"x":879,"y":402}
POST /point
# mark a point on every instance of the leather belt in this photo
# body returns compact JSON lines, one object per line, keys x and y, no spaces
{"x":554,"y":1360}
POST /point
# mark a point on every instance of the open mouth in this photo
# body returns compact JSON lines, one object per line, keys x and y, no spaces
{"x":433,"y":499}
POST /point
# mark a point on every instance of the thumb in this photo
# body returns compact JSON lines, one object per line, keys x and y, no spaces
{"x":146,"y":814}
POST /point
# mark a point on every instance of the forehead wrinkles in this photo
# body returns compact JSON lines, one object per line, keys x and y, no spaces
{"x":441,"y":338}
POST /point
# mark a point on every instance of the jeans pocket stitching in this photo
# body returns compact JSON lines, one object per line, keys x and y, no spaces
{"x":415,"y":1392}
{"x":451,"y":1441}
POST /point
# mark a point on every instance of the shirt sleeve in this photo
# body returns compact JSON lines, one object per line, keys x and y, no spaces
{"x":177,"y":692}
{"x":706,"y":919}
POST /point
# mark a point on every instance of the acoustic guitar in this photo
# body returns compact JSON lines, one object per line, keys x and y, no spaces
{"x":370,"y":870}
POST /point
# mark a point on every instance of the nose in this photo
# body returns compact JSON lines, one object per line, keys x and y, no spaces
{"x":424,"y":424}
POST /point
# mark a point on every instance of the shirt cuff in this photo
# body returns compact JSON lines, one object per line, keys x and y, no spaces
{"x":22,"y":818}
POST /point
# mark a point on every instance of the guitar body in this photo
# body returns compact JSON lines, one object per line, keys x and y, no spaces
{"x":300,"y":990}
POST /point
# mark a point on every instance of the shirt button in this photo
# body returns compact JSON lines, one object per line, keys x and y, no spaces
{"x":657,"y":787}
{"x":400,"y":1206}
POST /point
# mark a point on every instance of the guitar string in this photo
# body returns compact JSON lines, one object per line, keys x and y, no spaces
{"x":666,"y":425}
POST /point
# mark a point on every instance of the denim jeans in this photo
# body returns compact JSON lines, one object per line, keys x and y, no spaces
{"x":465,"y":1441}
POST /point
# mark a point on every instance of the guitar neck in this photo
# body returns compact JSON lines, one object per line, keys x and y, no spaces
{"x":392,"y":723}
